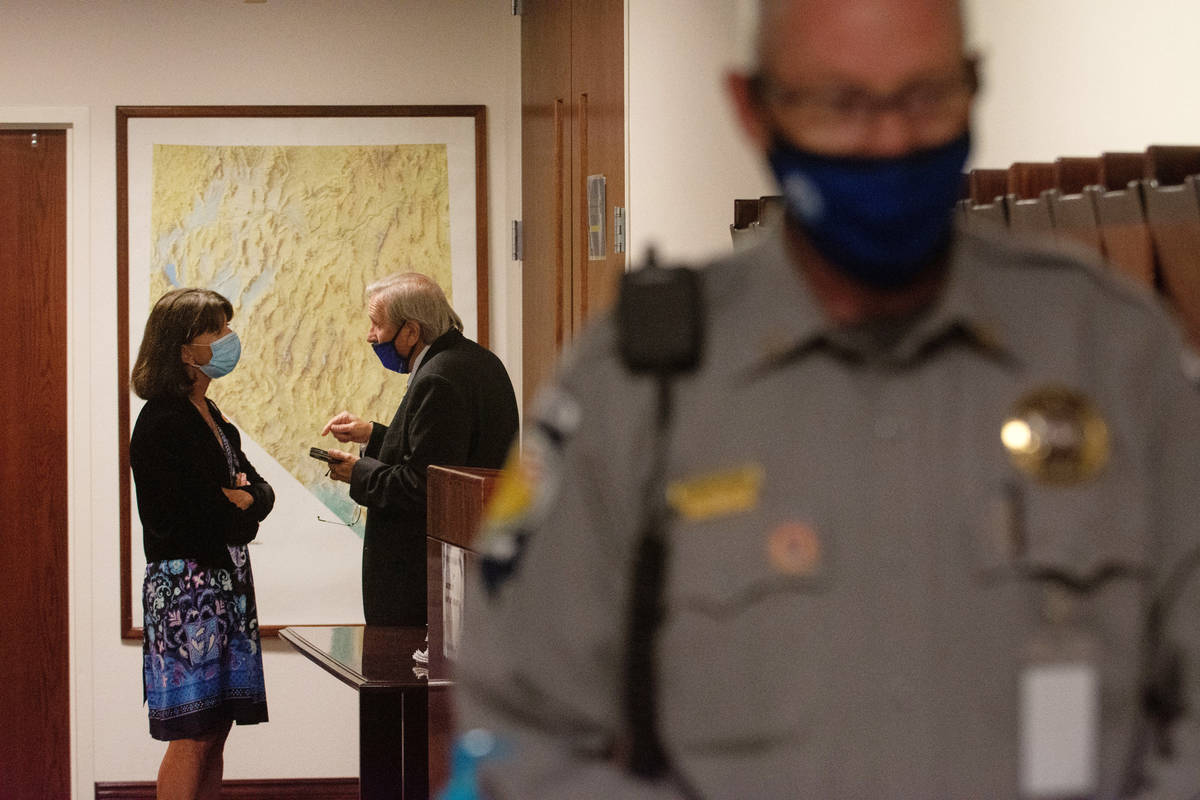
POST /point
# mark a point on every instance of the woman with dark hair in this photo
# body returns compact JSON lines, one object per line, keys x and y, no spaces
{"x":200,"y":502}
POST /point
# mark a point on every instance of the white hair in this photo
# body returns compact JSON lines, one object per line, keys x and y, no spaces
{"x":412,"y":296}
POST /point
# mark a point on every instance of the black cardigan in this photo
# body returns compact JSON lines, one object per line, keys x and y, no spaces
{"x":178,"y":470}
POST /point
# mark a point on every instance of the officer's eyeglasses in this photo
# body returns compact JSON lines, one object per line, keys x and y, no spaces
{"x":839,"y":117}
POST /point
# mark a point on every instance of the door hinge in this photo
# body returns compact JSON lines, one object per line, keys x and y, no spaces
{"x":516,"y":8}
{"x":518,"y":245}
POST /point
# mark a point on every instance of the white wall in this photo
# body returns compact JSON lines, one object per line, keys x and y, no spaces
{"x":74,"y":61}
{"x":1061,"y":77}
{"x":1079,"y":77}
{"x":687,"y":159}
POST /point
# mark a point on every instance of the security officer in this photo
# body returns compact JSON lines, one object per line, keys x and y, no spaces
{"x":928,"y":514}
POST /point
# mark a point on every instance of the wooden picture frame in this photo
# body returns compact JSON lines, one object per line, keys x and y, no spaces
{"x":259,"y":202}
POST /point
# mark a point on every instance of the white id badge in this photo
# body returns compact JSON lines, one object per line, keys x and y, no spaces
{"x":1060,"y":724}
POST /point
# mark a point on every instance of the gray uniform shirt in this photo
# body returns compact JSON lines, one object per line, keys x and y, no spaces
{"x":857,"y":572}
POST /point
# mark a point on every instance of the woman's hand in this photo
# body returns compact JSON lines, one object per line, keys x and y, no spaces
{"x":346,"y":427}
{"x":240,"y":498}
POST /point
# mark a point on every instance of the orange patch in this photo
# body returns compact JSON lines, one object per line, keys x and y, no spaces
{"x":794,"y":548}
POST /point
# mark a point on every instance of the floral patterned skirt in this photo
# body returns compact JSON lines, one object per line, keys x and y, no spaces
{"x":201,"y":658}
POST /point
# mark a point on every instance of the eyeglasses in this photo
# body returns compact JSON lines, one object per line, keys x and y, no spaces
{"x":840,"y":117}
{"x":354,"y":520}
{"x":358,"y":510}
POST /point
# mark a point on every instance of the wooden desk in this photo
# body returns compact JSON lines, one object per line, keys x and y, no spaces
{"x":403,"y":713}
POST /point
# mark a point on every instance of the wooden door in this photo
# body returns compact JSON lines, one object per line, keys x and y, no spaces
{"x":572,"y":127}
{"x":598,"y":84}
{"x":546,"y":127}
{"x":34,"y":671}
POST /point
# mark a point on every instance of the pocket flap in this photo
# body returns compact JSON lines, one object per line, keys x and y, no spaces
{"x":1080,"y":534}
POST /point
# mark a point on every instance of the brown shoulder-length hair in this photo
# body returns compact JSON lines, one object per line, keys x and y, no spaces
{"x":179,"y":316}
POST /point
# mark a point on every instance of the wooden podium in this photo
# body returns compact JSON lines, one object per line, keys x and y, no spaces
{"x":455,"y":498}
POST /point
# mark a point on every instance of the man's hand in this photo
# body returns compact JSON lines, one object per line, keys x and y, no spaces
{"x":346,"y":427}
{"x":341,"y":464}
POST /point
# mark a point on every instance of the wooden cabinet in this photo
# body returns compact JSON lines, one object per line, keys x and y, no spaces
{"x":572,"y":127}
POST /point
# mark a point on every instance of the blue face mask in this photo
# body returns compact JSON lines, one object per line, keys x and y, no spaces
{"x":225,"y":354}
{"x":881,"y":221}
{"x":389,"y":357}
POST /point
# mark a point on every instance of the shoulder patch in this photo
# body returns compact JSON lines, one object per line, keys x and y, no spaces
{"x":502,"y":540}
{"x":524,"y":492}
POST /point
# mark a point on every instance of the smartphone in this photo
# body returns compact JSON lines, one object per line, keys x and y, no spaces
{"x":320,"y":455}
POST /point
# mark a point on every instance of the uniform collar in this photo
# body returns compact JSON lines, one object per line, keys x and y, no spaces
{"x":787,"y":323}
{"x":781,"y":317}
{"x":971,"y":304}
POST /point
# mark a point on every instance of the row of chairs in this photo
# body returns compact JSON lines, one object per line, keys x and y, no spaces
{"x":1139,"y":211}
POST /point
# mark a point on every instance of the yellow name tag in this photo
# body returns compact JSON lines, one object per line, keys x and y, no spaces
{"x":716,"y":494}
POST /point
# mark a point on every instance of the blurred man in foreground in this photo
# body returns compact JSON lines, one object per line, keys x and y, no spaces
{"x":927,"y":502}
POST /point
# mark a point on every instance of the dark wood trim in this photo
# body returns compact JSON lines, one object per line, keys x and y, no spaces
{"x":124,"y":112}
{"x":483,"y":320}
{"x":124,"y":478}
{"x":129,"y":628}
{"x":561,"y":229}
{"x":281,"y":789}
{"x":583,"y":256}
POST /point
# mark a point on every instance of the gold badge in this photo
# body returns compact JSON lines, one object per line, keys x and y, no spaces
{"x":717,"y":494}
{"x":793,"y":548}
{"x":1056,"y":436}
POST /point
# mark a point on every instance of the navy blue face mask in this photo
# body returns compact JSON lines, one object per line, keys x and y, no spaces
{"x":881,"y":221}
{"x":389,"y":357}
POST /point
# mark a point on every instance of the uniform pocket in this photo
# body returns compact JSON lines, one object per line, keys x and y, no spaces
{"x":737,"y":615}
{"x":1081,"y":535}
{"x":721,"y":566}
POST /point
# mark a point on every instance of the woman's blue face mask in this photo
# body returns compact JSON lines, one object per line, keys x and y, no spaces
{"x":226,"y":352}
{"x":881,"y":221}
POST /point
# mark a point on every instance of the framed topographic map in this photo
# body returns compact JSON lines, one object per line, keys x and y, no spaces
{"x":290,"y":212}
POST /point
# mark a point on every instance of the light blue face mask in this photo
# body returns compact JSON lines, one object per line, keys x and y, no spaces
{"x":225,"y":354}
{"x":881,"y":221}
